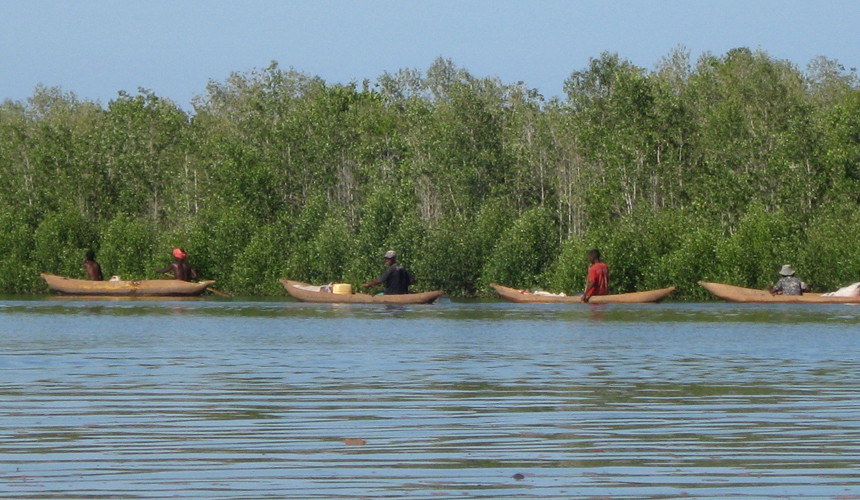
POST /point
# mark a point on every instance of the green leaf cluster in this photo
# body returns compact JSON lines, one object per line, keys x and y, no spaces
{"x":721,"y":169}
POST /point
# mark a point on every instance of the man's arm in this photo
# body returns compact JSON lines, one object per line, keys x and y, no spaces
{"x":590,"y":284}
{"x":379,"y":279}
{"x":774,"y":290}
{"x":170,"y":268}
{"x":588,"y":287}
{"x":372,"y":283}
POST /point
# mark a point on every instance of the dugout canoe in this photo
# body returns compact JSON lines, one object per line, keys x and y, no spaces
{"x":526,"y":297}
{"x":311,"y":293}
{"x":142,"y":288}
{"x":733,"y":293}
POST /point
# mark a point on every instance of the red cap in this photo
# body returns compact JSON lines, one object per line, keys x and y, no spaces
{"x":179,"y":254}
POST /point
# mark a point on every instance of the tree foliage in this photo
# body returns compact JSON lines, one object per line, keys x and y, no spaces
{"x":723,"y":168}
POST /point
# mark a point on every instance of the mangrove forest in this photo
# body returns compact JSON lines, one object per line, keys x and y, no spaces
{"x":722,"y":169}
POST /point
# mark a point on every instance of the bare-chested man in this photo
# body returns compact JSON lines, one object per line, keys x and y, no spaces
{"x":180,"y":267}
{"x":94,"y":270}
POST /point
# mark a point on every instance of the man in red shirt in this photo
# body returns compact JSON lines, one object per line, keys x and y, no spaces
{"x":598,"y":277}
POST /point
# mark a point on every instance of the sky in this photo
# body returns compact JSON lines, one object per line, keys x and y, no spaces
{"x":96,"y":48}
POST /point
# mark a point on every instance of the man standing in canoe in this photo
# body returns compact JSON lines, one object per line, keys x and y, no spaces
{"x":788,"y":284}
{"x":180,"y":267}
{"x":94,"y":270}
{"x":395,"y":277}
{"x":598,"y":277}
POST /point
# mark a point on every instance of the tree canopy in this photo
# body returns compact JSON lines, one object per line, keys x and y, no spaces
{"x":721,"y":169}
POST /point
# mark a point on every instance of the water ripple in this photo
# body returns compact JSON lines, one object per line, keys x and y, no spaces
{"x":271,"y":400}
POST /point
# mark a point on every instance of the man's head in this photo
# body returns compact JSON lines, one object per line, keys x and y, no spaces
{"x":390,"y":257}
{"x":179,"y":253}
{"x":786,"y":270}
{"x":594,"y":255}
{"x":90,"y":256}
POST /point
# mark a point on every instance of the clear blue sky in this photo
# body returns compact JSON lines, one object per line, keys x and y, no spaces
{"x":95,"y":48}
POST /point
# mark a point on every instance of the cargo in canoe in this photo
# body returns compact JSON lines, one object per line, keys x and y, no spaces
{"x":526,"y":297}
{"x":733,"y":293}
{"x":313,"y":293}
{"x":142,"y":288}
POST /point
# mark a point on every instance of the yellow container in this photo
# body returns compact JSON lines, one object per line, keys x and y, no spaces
{"x":342,"y":288}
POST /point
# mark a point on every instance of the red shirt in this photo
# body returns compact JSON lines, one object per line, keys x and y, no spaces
{"x":599,"y":274}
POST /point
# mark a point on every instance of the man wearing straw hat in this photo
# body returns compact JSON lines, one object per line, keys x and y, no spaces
{"x":788,"y":284}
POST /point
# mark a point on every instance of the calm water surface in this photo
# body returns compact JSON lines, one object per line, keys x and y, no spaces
{"x":280,"y":400}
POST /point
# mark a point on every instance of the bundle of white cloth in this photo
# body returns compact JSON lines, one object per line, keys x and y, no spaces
{"x":852,"y":290}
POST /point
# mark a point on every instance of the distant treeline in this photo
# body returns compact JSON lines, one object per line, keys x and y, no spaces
{"x":721,"y":169}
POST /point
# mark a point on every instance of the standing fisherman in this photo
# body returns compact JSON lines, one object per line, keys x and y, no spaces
{"x":598,"y":277}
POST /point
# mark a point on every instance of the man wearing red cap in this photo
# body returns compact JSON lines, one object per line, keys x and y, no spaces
{"x":180,"y":267}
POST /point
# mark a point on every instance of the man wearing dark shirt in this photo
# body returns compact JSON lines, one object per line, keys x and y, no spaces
{"x":395,"y":277}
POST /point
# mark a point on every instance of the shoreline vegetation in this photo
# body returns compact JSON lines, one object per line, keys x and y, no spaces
{"x":720,"y":169}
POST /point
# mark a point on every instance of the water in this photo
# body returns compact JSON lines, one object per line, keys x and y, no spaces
{"x":280,"y":400}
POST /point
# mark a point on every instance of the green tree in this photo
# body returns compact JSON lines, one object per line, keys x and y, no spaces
{"x":60,"y":242}
{"x":127,"y":245}
{"x":523,"y":251}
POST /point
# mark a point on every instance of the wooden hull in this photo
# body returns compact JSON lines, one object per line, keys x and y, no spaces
{"x":294,"y":289}
{"x":733,"y":293}
{"x":521,"y":297}
{"x":143,"y":288}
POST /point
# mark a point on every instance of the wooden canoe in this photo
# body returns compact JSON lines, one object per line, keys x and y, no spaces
{"x":733,"y":293}
{"x":305,"y":293}
{"x":142,"y":288}
{"x":525,"y":297}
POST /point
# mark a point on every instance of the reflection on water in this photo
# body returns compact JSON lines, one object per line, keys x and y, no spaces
{"x":273,"y":400}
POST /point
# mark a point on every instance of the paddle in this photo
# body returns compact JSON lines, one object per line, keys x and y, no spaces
{"x":219,"y":292}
